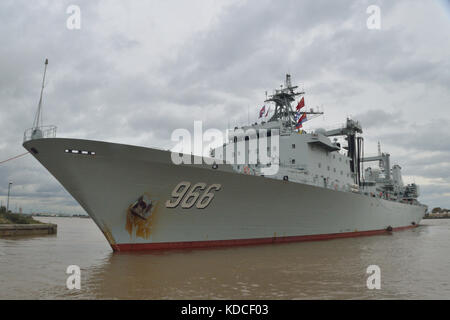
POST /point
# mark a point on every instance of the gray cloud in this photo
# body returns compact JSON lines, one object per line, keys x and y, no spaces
{"x":131,"y":76}
{"x":427,"y":136}
{"x":380,"y":118}
{"x":433,"y":195}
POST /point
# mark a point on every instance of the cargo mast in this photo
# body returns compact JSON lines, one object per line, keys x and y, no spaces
{"x":37,"y":124}
{"x":39,"y":131}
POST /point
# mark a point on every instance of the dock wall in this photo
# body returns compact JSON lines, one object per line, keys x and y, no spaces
{"x":27,"y":229}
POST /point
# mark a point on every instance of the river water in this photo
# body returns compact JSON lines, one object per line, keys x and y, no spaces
{"x":414,"y":264}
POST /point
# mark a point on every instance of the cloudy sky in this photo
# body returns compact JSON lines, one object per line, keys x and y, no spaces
{"x":137,"y":70}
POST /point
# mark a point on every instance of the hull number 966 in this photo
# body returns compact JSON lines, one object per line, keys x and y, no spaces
{"x":199,"y":194}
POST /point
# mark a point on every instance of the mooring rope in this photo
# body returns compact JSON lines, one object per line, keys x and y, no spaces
{"x":20,"y":155}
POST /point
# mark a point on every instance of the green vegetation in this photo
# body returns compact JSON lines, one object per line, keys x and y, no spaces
{"x":440,"y":210}
{"x":438,"y":213}
{"x":16,"y":218}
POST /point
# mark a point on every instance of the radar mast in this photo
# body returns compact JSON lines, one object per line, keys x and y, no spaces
{"x":283,"y":98}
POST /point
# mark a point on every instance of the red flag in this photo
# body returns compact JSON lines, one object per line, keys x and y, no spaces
{"x":301,"y":104}
{"x":300,"y":121}
{"x":262,"y":111}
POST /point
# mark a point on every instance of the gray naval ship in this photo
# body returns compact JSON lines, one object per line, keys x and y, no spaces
{"x":141,"y":200}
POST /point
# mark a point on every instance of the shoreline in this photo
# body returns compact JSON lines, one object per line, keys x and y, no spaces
{"x":437,"y":215}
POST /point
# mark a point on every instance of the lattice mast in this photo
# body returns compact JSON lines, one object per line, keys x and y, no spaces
{"x":283,"y":98}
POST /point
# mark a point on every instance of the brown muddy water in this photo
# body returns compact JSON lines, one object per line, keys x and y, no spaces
{"x":414,"y":264}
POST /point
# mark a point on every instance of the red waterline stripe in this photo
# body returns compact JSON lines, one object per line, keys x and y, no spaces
{"x":243,"y":242}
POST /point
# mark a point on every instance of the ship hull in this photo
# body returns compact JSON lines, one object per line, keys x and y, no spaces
{"x":244,"y":210}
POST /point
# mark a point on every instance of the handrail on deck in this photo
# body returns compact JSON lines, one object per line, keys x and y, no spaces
{"x":39,"y":133}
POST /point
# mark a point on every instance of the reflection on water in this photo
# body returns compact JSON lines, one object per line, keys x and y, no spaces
{"x":414,"y":264}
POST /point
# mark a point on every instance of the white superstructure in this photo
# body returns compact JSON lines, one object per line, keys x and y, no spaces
{"x":314,"y":158}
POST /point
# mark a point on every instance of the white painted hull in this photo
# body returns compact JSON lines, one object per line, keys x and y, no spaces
{"x":247,"y":209}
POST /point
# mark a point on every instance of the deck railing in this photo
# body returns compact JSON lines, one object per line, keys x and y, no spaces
{"x":39,"y":133}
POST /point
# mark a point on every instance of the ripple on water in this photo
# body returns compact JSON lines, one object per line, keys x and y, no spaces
{"x":414,"y":264}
